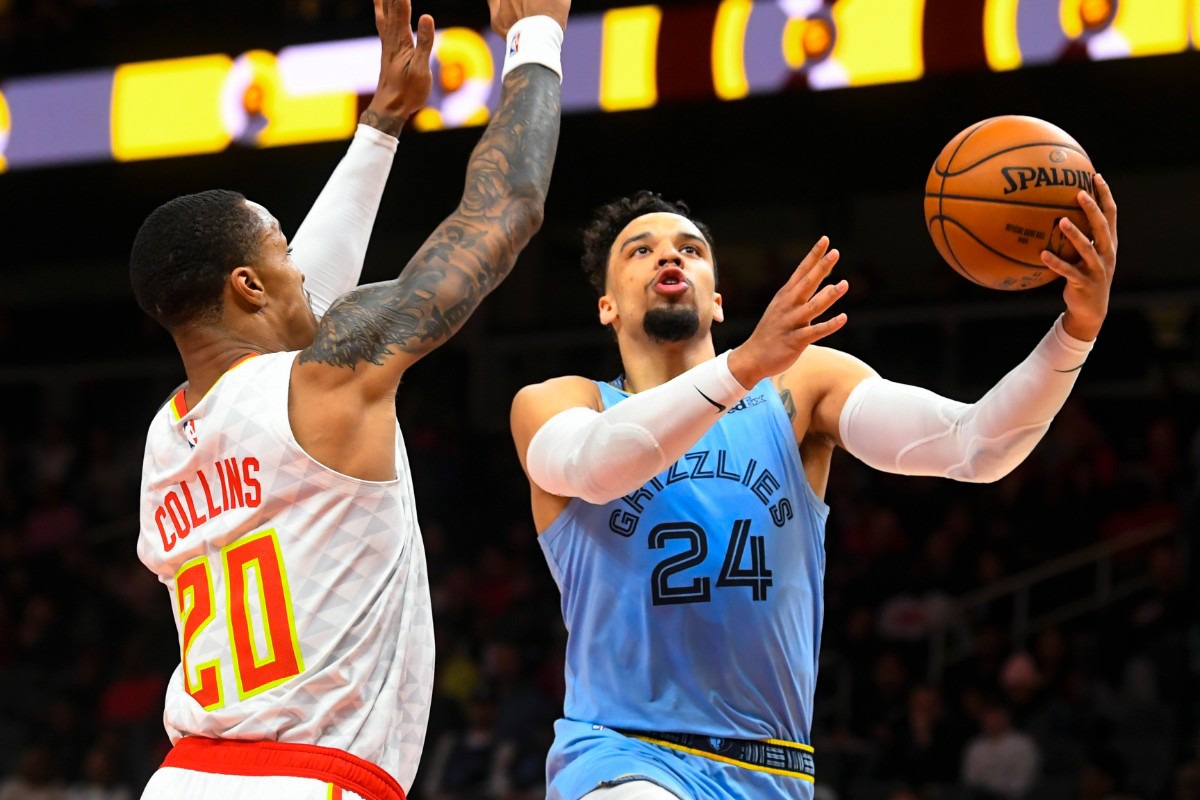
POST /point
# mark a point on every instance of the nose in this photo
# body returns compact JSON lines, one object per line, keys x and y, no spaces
{"x":670,"y":258}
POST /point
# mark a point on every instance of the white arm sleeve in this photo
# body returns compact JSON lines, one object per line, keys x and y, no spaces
{"x":911,"y":431}
{"x":331,"y":244}
{"x":599,"y":457}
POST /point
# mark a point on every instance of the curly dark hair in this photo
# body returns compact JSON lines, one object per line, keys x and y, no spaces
{"x":610,"y":219}
{"x":186,"y":249}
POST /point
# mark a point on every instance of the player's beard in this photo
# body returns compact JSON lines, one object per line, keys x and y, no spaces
{"x":671,"y":324}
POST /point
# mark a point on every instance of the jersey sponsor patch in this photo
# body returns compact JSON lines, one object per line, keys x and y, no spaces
{"x":748,"y":402}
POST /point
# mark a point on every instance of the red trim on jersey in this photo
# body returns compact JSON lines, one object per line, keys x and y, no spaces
{"x":233,"y":757}
{"x":179,"y":401}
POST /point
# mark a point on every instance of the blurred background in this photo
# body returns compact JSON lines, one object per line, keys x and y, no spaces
{"x":1034,"y":638}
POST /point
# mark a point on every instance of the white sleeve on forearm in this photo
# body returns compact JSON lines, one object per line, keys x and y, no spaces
{"x":600,"y":456}
{"x":331,"y":244}
{"x":912,"y":431}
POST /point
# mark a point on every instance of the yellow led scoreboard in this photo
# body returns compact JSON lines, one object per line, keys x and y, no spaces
{"x":622,"y":59}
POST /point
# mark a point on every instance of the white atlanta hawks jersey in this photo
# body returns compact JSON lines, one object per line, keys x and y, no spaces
{"x":301,"y":595}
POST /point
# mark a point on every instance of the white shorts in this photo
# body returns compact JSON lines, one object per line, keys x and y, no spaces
{"x":233,"y":770}
{"x":170,"y":783}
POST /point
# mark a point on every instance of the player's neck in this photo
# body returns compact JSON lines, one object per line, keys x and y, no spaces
{"x":652,"y":364}
{"x":207,"y":355}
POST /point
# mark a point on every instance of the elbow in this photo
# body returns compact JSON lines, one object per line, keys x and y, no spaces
{"x":988,"y":467}
{"x":985,"y":473}
{"x":594,"y":460}
{"x":527,"y":213}
{"x":516,"y":202}
{"x":516,"y":215}
{"x":990,"y":460}
{"x":522,"y":218}
{"x":599,"y":489}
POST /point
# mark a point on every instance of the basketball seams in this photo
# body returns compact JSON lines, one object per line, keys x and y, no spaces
{"x":940,"y":217}
{"x":965,"y":138}
{"x":990,"y":156}
{"x":1001,"y":201}
{"x":987,"y":246}
{"x":961,"y":267}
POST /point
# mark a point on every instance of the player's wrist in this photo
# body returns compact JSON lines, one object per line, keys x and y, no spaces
{"x":534,"y":40}
{"x":742,"y":368}
{"x":386,"y":118}
{"x":1080,"y":330}
{"x":1061,"y":349}
{"x":376,"y":138}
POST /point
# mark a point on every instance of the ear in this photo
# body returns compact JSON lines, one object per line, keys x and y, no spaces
{"x":608,"y":310}
{"x":718,"y":308}
{"x":247,"y":288}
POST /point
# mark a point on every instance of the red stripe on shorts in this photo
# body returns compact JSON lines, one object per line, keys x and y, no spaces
{"x":232,"y":757}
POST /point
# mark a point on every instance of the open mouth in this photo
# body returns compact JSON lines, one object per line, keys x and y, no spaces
{"x":671,"y":281}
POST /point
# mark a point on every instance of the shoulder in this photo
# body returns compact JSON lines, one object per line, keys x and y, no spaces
{"x":538,"y":402}
{"x":818,"y":361}
{"x":820,"y":371}
{"x":563,"y":392}
{"x":815,"y":388}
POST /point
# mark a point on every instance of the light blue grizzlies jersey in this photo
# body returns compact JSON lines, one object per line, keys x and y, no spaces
{"x":694,"y":605}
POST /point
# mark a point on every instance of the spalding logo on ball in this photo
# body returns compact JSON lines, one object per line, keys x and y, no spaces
{"x":995,"y":195}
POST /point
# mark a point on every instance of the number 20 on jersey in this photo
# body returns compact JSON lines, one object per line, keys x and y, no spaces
{"x":254,"y":577}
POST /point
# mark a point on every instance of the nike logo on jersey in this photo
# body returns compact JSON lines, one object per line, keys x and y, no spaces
{"x":712,"y":402}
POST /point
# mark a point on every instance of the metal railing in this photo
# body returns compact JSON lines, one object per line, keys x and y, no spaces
{"x":952,"y":642}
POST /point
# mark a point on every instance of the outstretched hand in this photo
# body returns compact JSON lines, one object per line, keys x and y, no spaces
{"x":1090,"y":279}
{"x":787,"y":326}
{"x":405,"y":77}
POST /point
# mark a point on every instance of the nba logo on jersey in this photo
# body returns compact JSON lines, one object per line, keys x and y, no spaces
{"x":189,"y":432}
{"x":515,"y":47}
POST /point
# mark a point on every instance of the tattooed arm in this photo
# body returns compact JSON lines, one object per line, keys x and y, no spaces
{"x":385,"y":327}
{"x":344,"y":384}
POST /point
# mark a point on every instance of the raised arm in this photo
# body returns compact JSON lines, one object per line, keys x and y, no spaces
{"x":331,"y":244}
{"x":344,"y":384}
{"x":376,"y":332}
{"x":912,"y":431}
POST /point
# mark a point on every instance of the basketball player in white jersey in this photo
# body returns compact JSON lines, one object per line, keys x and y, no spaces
{"x":277,"y":506}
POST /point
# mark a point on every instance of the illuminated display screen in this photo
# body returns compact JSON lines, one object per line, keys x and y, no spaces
{"x":623,"y":59}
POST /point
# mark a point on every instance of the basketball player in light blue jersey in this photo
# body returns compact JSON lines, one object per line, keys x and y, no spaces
{"x":680,"y":510}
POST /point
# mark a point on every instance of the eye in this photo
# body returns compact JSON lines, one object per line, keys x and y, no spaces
{"x":641,"y":250}
{"x":690,"y":248}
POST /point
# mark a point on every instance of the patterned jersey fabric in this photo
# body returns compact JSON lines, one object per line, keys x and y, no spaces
{"x":300,"y":595}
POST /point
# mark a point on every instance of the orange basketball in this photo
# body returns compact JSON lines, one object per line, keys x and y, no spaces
{"x":994,"y":197}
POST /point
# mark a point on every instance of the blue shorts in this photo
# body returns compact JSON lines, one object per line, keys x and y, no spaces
{"x":585,"y":757}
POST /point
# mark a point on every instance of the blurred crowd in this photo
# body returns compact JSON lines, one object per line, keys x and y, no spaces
{"x":1102,"y":705}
